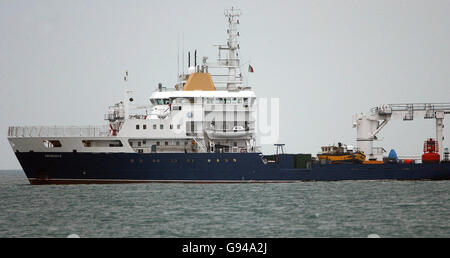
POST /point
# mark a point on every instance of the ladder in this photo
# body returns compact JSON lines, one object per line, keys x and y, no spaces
{"x":200,"y":144}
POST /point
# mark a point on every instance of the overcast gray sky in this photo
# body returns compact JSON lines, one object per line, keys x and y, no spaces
{"x":62,"y":62}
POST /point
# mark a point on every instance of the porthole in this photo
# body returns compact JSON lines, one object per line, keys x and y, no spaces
{"x":218,"y":160}
{"x":234,"y":160}
{"x":131,"y":160}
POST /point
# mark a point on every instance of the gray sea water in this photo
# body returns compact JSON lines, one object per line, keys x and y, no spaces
{"x":308,"y":209}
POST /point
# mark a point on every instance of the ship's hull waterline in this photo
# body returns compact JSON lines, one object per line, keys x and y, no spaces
{"x":113,"y":168}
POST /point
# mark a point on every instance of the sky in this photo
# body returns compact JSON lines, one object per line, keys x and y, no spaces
{"x":62,"y":62}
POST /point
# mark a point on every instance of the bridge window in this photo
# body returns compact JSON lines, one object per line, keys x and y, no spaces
{"x":162,"y":101}
{"x":154,"y":127}
{"x":161,"y":127}
{"x":144,"y":127}
{"x":137,"y":127}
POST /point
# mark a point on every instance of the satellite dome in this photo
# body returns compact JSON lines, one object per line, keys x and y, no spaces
{"x":191,"y":70}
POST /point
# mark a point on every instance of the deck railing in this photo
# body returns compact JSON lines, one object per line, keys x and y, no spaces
{"x":59,"y":131}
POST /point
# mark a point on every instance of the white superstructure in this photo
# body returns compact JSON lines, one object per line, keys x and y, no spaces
{"x":202,"y":112}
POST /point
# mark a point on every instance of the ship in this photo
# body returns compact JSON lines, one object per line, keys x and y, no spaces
{"x":202,"y":129}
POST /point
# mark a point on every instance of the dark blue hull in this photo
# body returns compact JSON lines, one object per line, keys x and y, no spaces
{"x":71,"y":168}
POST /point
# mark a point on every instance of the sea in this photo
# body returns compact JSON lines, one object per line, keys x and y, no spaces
{"x":354,"y":209}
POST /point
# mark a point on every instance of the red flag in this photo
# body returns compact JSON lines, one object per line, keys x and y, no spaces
{"x":250,"y":68}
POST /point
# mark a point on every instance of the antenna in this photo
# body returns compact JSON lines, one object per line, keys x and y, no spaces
{"x":182,"y":43}
{"x":178,"y":56}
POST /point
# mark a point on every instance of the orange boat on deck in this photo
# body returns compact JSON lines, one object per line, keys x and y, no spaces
{"x":341,"y":154}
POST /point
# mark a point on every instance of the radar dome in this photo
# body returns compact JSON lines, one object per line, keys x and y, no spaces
{"x":191,"y":70}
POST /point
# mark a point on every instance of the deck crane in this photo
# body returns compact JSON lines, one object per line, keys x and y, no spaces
{"x":369,"y":125}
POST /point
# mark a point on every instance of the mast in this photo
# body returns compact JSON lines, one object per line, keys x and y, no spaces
{"x":127,"y":97}
{"x":232,"y":61}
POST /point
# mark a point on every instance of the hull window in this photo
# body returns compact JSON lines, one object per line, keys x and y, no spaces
{"x":102,"y":143}
{"x":52,"y":144}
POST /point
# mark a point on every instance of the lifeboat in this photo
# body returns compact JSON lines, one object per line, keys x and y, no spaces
{"x":341,"y":154}
{"x":236,"y":132}
{"x":430,"y":154}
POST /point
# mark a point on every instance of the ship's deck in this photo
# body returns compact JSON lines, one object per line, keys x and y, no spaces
{"x":59,"y":131}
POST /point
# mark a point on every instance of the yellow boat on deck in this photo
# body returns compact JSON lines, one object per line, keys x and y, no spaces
{"x":341,"y":154}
